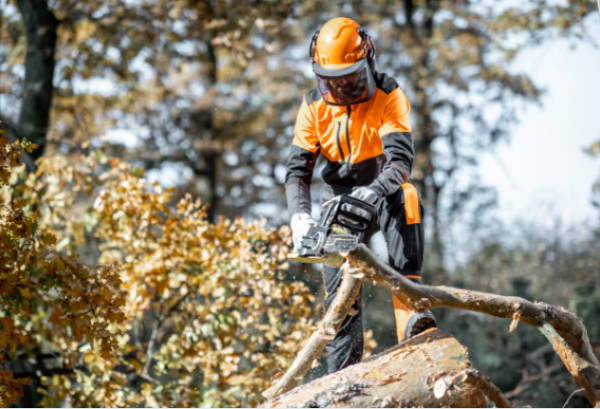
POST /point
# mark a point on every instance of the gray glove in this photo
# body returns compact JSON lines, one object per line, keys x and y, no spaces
{"x":366,"y":194}
{"x":300,"y":224}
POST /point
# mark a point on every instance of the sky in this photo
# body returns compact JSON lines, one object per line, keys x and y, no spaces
{"x":543,"y":172}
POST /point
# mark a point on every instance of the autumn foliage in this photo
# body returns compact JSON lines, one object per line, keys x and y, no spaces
{"x":124,"y":298}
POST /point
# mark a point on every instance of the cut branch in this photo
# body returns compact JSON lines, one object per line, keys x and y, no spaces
{"x":326,"y":331}
{"x":564,"y":330}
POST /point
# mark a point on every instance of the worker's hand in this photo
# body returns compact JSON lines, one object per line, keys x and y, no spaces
{"x":366,"y":194}
{"x":300,"y":224}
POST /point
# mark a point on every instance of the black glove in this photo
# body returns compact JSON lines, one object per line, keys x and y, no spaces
{"x":366,"y":194}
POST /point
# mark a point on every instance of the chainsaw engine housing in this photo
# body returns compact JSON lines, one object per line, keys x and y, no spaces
{"x":342,"y":226}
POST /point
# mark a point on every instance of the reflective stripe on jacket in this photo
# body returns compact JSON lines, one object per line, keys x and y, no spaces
{"x":367,"y":144}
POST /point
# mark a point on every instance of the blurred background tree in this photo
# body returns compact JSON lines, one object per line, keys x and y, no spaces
{"x":202,"y":97}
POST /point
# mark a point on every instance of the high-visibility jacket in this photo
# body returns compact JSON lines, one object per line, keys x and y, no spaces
{"x":367,"y":144}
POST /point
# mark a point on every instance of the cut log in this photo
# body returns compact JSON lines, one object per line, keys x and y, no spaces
{"x":403,"y":376}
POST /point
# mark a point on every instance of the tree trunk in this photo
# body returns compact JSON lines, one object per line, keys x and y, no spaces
{"x":420,"y":372}
{"x":40,"y":27}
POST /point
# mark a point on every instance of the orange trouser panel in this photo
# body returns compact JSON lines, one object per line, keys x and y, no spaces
{"x":411,"y":204}
{"x":402,"y":314}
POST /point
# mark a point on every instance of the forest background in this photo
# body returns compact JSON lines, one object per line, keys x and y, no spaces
{"x":143,"y":221}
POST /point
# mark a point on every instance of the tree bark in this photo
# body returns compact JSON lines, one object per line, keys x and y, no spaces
{"x":40,"y":28}
{"x":408,"y":375}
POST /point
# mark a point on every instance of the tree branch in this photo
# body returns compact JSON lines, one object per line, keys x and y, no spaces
{"x":326,"y":331}
{"x":564,"y":330}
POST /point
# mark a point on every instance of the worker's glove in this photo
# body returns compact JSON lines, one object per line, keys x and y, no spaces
{"x":300,"y":224}
{"x":366,"y":194}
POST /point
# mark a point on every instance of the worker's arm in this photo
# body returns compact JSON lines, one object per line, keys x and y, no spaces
{"x":397,"y":145}
{"x":301,"y":162}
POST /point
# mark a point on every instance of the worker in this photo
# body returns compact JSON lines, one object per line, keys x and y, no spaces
{"x":357,"y":119}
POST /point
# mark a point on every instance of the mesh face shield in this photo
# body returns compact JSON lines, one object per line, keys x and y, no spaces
{"x":346,"y":86}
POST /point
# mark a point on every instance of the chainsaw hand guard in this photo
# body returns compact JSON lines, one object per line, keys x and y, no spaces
{"x":343,"y":223}
{"x":349,"y":212}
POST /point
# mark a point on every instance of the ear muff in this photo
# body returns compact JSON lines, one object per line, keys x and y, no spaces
{"x":370,"y":50}
{"x":313,"y":44}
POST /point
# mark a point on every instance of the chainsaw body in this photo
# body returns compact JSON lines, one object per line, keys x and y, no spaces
{"x":343,"y":224}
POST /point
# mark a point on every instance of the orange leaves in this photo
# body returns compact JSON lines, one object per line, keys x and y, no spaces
{"x":10,"y":388}
{"x":212,"y":284}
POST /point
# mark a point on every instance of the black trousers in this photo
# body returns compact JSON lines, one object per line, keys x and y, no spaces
{"x":405,"y":248}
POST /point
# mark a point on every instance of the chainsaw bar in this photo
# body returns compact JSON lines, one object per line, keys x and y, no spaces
{"x":320,"y":240}
{"x":331,"y":259}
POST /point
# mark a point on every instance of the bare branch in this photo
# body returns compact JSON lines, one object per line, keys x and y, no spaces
{"x":564,"y":330}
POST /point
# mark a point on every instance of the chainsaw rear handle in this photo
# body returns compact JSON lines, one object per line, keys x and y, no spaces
{"x":349,"y":212}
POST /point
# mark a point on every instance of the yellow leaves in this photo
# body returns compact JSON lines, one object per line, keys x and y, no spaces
{"x":8,"y":325}
{"x":84,"y":31}
{"x":26,"y":145}
{"x":89,"y":357}
{"x":26,"y":293}
{"x":213,"y":292}
{"x":56,"y":318}
{"x":10,"y":157}
{"x":149,"y":396}
{"x":594,"y":149}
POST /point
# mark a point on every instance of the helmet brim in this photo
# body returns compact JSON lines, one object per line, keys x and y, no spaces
{"x":339,"y":70}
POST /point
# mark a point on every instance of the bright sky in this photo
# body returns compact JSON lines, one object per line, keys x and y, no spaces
{"x":543,"y":172}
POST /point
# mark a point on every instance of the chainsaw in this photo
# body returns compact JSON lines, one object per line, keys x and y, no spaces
{"x":343,"y":224}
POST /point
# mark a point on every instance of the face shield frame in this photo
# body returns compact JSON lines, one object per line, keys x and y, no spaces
{"x":347,"y":86}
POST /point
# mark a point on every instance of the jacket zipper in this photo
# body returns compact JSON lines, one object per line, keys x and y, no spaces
{"x":339,"y":143}
{"x":348,"y":136}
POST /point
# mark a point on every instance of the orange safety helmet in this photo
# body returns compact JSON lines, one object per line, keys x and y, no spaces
{"x":343,"y":58}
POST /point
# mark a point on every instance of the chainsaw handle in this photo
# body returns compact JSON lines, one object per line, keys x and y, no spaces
{"x":340,"y":208}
